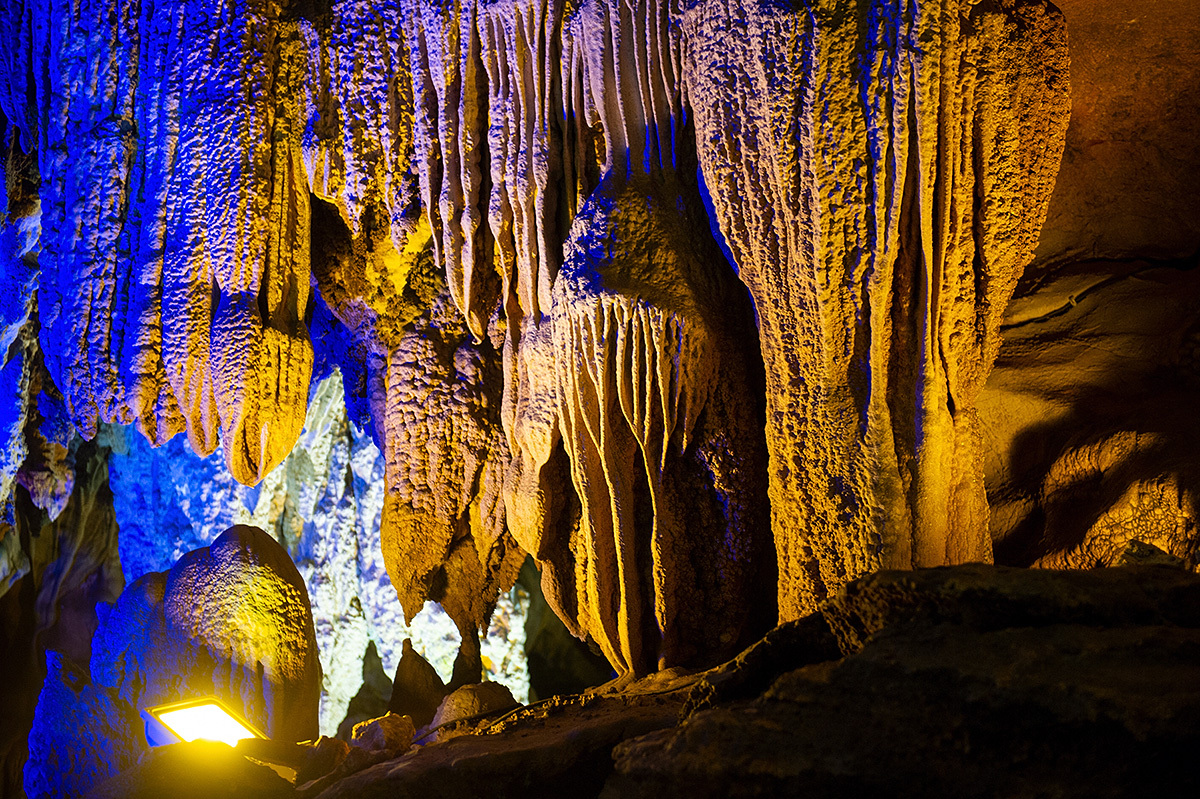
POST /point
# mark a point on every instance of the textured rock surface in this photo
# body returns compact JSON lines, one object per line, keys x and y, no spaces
{"x":73,"y":566}
{"x":168,"y":301}
{"x":489,"y":216}
{"x":1089,"y":435}
{"x":656,"y":416}
{"x":1088,"y":444}
{"x":230,"y":620}
{"x":82,"y":735}
{"x":235,"y":616}
{"x":472,"y":701}
{"x":563,"y":747}
{"x":429,"y":170}
{"x":1066,"y":711}
{"x":323,"y":503}
{"x":874,"y":212}
{"x":1134,"y":139}
{"x":389,"y":732}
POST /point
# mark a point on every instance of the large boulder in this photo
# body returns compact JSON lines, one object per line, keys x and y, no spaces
{"x":230,"y":620}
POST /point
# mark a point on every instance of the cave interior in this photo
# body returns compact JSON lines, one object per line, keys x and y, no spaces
{"x":622,"y":398}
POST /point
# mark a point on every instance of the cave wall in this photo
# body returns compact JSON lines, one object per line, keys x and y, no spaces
{"x":1088,"y":429}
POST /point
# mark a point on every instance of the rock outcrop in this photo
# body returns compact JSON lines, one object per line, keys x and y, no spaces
{"x":965,"y":681}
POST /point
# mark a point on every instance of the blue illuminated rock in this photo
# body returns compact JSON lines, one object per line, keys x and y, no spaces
{"x":82,"y":734}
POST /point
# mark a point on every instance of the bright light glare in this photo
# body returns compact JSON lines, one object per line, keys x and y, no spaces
{"x":208,"y":721}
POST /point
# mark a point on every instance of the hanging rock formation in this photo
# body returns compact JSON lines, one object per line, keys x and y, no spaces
{"x":175,"y":270}
{"x":657,"y":420}
{"x":516,"y":227}
{"x":880,"y":172}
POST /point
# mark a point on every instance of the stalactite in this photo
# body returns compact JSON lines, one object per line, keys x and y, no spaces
{"x":175,"y":222}
{"x":443,"y":531}
{"x":450,"y":105}
{"x":881,"y":199}
{"x":506,"y":219}
{"x":359,"y":135}
{"x":640,"y":348}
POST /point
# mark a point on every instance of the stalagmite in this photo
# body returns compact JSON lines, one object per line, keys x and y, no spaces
{"x":881,"y":198}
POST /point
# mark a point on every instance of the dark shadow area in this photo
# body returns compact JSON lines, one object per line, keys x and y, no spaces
{"x":559,"y":663}
{"x":1137,"y":423}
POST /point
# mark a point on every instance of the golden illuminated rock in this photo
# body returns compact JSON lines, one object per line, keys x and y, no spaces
{"x":442,"y":530}
{"x":881,"y":199}
{"x":654,"y":414}
{"x":231,"y":619}
{"x":874,"y":173}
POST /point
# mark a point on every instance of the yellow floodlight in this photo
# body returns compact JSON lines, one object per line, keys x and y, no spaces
{"x":207,"y":719}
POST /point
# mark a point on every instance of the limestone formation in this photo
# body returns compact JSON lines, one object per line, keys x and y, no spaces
{"x":175,"y":273}
{"x":699,"y":313}
{"x":880,"y":173}
{"x":515,"y":228}
{"x":235,"y":617}
{"x":1088,"y":429}
{"x":655,"y":415}
{"x":323,"y":504}
{"x":82,"y":735}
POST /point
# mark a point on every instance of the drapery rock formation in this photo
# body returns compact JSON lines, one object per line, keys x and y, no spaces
{"x":691,"y":306}
{"x":165,"y":302}
{"x":515,"y":227}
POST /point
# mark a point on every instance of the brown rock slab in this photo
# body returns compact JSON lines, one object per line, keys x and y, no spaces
{"x":474,"y":701}
{"x":390,"y":733}
{"x":1059,"y":710}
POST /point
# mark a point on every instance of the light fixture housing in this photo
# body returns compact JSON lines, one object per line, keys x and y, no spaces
{"x":205,"y":718}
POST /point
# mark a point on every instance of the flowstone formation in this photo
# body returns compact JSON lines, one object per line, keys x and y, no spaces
{"x":703,"y":315}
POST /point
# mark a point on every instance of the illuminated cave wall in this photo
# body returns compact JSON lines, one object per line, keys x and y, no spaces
{"x":695,"y":303}
{"x":323,"y":503}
